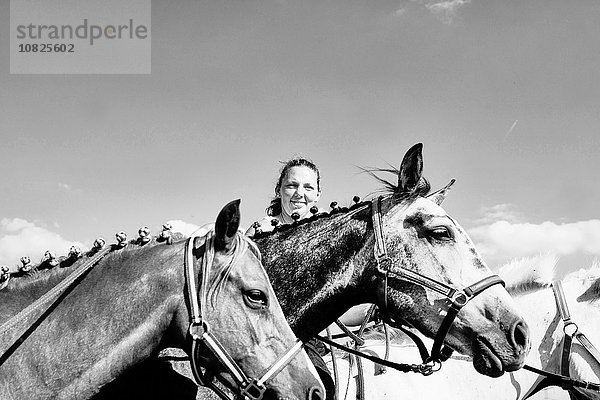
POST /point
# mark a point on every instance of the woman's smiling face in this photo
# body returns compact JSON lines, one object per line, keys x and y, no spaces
{"x":299,"y":192}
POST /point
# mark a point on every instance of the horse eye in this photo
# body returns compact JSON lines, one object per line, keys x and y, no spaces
{"x":440,"y":233}
{"x":255,"y":298}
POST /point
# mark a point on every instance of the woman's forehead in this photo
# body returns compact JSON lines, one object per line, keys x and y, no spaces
{"x":301,"y":173}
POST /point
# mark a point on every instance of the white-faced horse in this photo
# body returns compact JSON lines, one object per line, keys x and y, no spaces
{"x":134,"y":302}
{"x":529,"y":282}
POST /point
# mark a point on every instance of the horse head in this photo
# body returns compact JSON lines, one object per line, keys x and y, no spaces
{"x":243,"y":316}
{"x":83,"y":327}
{"x":427,"y":249}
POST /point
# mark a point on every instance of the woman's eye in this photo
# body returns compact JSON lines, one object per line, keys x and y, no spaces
{"x":441,"y":233}
{"x":256,"y":298}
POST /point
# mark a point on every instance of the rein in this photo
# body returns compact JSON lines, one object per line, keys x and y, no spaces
{"x":54,"y":292}
{"x":200,"y":332}
{"x":457,"y":298}
{"x":570,"y":330}
{"x":56,"y":295}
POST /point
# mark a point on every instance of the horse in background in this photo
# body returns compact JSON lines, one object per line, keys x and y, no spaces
{"x":528,"y":280}
{"x":133,"y":303}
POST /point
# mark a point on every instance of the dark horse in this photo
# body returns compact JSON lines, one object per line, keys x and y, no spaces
{"x":321,"y":267}
{"x":133,"y":303}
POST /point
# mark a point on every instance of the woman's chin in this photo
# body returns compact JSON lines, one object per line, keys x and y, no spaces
{"x":301,"y":212}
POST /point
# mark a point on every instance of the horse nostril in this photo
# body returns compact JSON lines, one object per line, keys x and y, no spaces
{"x":520,"y":335}
{"x":315,"y":394}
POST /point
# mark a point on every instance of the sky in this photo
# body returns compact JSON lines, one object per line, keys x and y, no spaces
{"x":504,"y":96}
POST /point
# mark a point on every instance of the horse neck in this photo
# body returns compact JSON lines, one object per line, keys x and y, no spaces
{"x":25,"y":290}
{"x":317,"y":268}
{"x":114,"y":318}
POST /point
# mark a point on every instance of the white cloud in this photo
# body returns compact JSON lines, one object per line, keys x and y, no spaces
{"x":504,"y":239}
{"x":400,"y":12}
{"x":19,"y":237}
{"x":188,"y":229}
{"x":68,"y":188}
{"x":445,"y":10}
{"x":499,"y":212}
{"x":183,"y":227}
{"x":15,"y":224}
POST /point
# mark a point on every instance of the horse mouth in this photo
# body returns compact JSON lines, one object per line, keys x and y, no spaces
{"x":485,"y":360}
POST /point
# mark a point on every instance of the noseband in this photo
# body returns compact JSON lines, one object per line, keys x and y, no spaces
{"x":199,"y":330}
{"x":457,"y":298}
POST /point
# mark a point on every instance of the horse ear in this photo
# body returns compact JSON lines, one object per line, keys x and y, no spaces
{"x":439,"y":196}
{"x":227,"y":225}
{"x":411,"y":169}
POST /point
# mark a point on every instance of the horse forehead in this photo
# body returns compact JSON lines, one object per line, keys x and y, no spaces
{"x":425,"y":208}
{"x":249,"y":271}
{"x":420,"y":210}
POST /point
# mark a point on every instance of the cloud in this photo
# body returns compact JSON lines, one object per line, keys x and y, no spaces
{"x":499,"y":212}
{"x":504,"y":239}
{"x":15,"y":224}
{"x":19,"y":237}
{"x":183,"y":227}
{"x":445,"y":10}
{"x":400,"y":12}
{"x":65,"y":187}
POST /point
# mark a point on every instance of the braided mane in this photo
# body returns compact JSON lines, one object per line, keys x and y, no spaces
{"x":41,"y":272}
{"x":324,"y":215}
{"x":390,"y":189}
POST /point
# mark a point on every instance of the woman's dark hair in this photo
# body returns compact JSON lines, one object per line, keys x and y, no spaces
{"x":275,"y":206}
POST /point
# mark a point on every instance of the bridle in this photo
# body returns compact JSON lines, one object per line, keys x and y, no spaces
{"x":432,"y":362}
{"x":570,"y":330}
{"x":202,"y":337}
{"x":457,"y":298}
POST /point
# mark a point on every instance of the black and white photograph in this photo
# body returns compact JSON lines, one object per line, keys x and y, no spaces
{"x":299,"y":200}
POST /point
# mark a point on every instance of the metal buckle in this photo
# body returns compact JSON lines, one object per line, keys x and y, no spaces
{"x":253,"y":390}
{"x":570,"y":329}
{"x":198,"y":330}
{"x":429,"y":367}
{"x":459,"y":299}
{"x":383,"y":265}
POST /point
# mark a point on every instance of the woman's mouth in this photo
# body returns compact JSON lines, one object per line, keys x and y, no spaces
{"x":298,"y":204}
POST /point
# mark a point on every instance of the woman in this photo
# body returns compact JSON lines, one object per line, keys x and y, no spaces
{"x":297,"y":193}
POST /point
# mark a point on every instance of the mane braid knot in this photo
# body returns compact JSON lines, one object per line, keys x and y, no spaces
{"x":283,"y":227}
